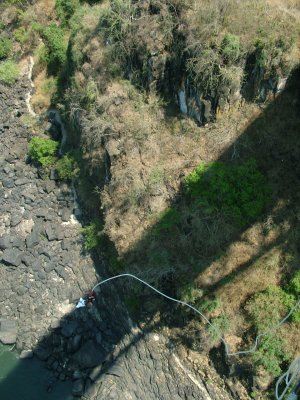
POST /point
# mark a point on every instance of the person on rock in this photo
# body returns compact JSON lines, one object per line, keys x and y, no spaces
{"x":90,"y":297}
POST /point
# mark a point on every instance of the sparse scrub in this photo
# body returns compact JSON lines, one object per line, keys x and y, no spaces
{"x":43,"y":151}
{"x":9,"y":72}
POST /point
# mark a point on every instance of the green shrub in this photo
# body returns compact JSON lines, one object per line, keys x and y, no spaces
{"x":56,"y":48}
{"x":295,"y":283}
{"x":168,"y":219}
{"x":21,"y":35}
{"x":208,"y":305}
{"x":9,"y":72}
{"x":230,"y":48}
{"x":271,"y":354}
{"x":5,"y":47}
{"x":65,"y":167}
{"x":238,"y":192}
{"x":221,"y":325}
{"x":267,"y":308}
{"x":65,"y":9}
{"x":91,"y":235}
{"x":190,"y":294}
{"x":2,"y":26}
{"x":43,"y":151}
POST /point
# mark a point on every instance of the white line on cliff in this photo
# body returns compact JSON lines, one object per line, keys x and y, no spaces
{"x":227,"y":351}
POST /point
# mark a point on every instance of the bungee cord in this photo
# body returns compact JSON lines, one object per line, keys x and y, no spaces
{"x":227,"y":350}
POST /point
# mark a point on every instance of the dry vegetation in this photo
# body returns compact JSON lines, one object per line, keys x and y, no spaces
{"x":136,"y":150}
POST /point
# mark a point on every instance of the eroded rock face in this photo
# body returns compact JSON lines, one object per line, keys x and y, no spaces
{"x":42,"y":273}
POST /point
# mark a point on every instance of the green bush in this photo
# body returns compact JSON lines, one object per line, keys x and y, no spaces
{"x":221,"y":325}
{"x":295,"y":283}
{"x":65,"y":9}
{"x":230,"y":48}
{"x":271,"y":354}
{"x":91,"y":235}
{"x":65,"y":167}
{"x":238,"y":192}
{"x":190,"y":294}
{"x":9,"y":72}
{"x":267,"y":308}
{"x":43,"y":151}
{"x":56,"y":48}
{"x":168,"y":219}
{"x":21,"y":35}
{"x":5,"y":47}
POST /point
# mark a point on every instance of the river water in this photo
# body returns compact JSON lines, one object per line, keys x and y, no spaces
{"x":27,"y":379}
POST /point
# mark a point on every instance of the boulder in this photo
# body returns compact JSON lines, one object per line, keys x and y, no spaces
{"x":5,"y":242}
{"x":69,"y":328}
{"x":78,"y":388}
{"x":42,"y":353}
{"x":33,"y":239}
{"x":12,"y":257}
{"x":26,"y":354}
{"x":89,"y":356}
{"x":15,"y":219}
{"x":8,"y":331}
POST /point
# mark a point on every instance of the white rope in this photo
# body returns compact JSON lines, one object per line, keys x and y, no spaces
{"x":288,"y":379}
{"x":251,"y":350}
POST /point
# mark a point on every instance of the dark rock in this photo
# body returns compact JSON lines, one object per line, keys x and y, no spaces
{"x":69,"y":328}
{"x":51,"y":234}
{"x":33,"y":239}
{"x":8,"y":183}
{"x":21,"y":181}
{"x":66,"y":214}
{"x":18,"y":242}
{"x":15,"y":219}
{"x":8,"y":331}
{"x":12,"y":257}
{"x":42,"y":353}
{"x":21,"y":290}
{"x":41,"y":212}
{"x":89,"y":355}
{"x":53,"y":175}
{"x":74,"y":343}
{"x":6,"y":242}
{"x":78,"y":388}
{"x":66,"y":244}
{"x":44,"y":251}
{"x":49,"y":186}
{"x":95,"y":373}
{"x":27,"y":259}
{"x":115,"y":370}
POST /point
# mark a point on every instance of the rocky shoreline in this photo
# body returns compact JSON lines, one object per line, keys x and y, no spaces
{"x":43,"y":271}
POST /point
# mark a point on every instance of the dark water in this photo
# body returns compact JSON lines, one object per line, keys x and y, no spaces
{"x":27,"y":379}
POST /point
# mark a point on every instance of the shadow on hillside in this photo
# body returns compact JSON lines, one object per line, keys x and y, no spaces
{"x":186,"y":246}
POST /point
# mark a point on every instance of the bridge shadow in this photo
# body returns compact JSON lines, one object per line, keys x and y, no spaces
{"x":88,"y":343}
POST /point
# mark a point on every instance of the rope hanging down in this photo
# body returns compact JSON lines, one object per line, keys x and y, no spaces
{"x":227,"y":351}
